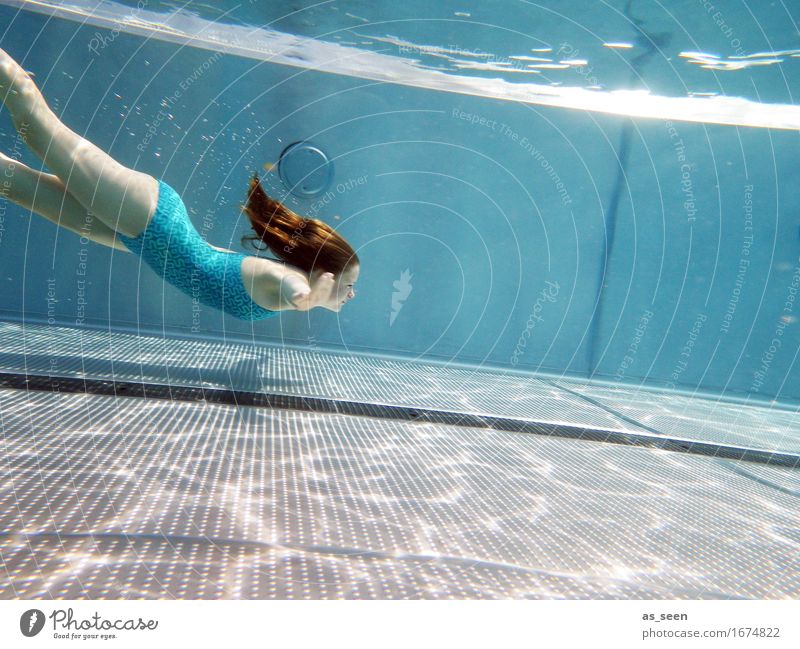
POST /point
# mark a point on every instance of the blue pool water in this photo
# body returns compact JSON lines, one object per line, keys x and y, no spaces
{"x":552,"y":236}
{"x":577,"y":224}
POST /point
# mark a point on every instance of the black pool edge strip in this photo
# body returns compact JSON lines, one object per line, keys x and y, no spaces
{"x":101,"y":387}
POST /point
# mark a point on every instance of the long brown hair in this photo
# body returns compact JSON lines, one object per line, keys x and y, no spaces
{"x":306,"y":243}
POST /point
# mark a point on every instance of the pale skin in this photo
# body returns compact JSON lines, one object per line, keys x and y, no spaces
{"x":94,"y":196}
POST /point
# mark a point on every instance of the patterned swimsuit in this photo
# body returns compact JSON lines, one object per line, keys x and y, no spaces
{"x":174,"y":249}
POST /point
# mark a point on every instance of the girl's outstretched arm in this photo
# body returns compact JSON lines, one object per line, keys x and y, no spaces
{"x":280,"y":288}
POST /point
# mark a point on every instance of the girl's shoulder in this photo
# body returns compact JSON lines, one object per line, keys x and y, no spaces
{"x":276,"y":267}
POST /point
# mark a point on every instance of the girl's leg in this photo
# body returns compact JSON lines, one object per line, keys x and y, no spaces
{"x":46,"y":195}
{"x":122,"y":198}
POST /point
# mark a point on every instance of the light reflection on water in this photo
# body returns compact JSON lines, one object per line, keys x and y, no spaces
{"x":186,"y":28}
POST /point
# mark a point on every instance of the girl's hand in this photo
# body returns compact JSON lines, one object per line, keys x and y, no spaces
{"x":298,"y":294}
{"x":295,"y":293}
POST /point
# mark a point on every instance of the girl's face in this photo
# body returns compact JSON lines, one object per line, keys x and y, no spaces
{"x":344,"y":289}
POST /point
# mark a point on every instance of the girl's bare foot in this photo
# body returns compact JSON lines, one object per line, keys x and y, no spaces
{"x":17,"y":90}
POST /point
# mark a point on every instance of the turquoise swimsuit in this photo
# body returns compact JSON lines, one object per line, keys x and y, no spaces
{"x":175,"y":250}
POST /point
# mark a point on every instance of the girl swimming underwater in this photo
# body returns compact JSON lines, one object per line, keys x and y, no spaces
{"x":133,"y":212}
